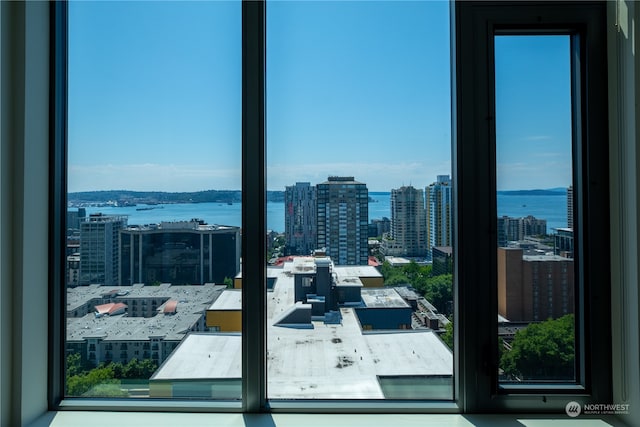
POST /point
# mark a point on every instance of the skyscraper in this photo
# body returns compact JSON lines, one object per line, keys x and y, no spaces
{"x":300,"y":218}
{"x":343,"y":214}
{"x":408,"y":223}
{"x":99,"y":249}
{"x":439,"y":207}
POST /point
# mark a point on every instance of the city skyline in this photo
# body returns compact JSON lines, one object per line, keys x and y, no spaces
{"x":168,"y":116}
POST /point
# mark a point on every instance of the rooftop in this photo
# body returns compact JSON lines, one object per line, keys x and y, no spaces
{"x":545,"y":257}
{"x":327,"y":361}
{"x":382,"y":297}
{"x":230,"y":299}
{"x":181,"y":307}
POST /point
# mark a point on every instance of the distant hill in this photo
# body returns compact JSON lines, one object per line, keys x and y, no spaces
{"x":132,"y":198}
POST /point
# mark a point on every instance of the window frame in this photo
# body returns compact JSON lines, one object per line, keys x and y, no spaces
{"x":473,"y":168}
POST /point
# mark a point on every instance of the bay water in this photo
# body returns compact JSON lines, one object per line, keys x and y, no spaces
{"x":553,"y":208}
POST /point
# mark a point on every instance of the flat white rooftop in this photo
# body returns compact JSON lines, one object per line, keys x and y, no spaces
{"x":383,"y":297}
{"x":357,"y":271}
{"x":201,"y":356}
{"x":329,"y":361}
{"x":229,"y":299}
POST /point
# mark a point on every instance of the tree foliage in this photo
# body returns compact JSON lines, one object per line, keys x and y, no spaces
{"x":104,"y":380}
{"x":78,"y":385}
{"x":436,"y":289}
{"x":228,"y":282}
{"x":447,"y":336}
{"x":544,"y":350}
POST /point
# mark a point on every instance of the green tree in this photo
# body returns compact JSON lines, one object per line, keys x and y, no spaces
{"x":397,"y":279}
{"x":386,"y":270}
{"x":544,"y":350}
{"x":78,"y":385}
{"x":74,"y":364}
{"x":393,"y":276}
{"x":139,"y":369}
{"x":104,"y":380}
{"x":447,"y":336}
{"x":411,"y":270}
{"x":437,"y":290}
{"x":228,"y":282}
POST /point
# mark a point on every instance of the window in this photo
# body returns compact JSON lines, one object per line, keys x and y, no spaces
{"x":465,"y":190}
{"x":476,"y":166}
{"x":358,"y":129}
{"x":534,"y":170}
{"x":339,"y":229}
{"x":154,"y":118}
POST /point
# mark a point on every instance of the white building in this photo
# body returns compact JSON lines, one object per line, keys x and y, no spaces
{"x":439,"y":200}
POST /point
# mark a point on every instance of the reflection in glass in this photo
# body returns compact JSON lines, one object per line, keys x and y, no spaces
{"x":536,"y":283}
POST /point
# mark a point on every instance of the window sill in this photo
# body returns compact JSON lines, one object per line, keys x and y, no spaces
{"x":159,"y":419}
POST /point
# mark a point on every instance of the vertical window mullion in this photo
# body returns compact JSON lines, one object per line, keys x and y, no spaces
{"x":57,"y":197}
{"x":253,"y":207}
{"x":475,"y":229}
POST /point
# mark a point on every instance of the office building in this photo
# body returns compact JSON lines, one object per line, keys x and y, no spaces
{"x":300,"y":219}
{"x":563,"y":242}
{"x":439,"y":205}
{"x":379,"y":226}
{"x":99,"y":249}
{"x":442,"y":260}
{"x":534,"y":287}
{"x":343,"y":215}
{"x":74,"y":218}
{"x":180,"y":253}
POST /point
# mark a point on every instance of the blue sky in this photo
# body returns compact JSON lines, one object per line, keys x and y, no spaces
{"x":533,"y":112}
{"x":353,"y":88}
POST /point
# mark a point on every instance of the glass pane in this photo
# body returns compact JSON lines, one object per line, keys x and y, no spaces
{"x":536,"y":285}
{"x":153,"y":239}
{"x":359,"y":203}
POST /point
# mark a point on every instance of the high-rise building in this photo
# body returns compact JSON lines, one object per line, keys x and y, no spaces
{"x":408,"y":224}
{"x":379,"y":226}
{"x":564,"y":242}
{"x":99,"y":250}
{"x":343,"y":215}
{"x":534,"y":287}
{"x":532,"y":226}
{"x":180,"y":253}
{"x":513,"y":229}
{"x":439,"y":206}
{"x":74,"y":218}
{"x":300,"y":219}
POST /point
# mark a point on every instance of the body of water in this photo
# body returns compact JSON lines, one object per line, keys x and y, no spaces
{"x":552,"y":208}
